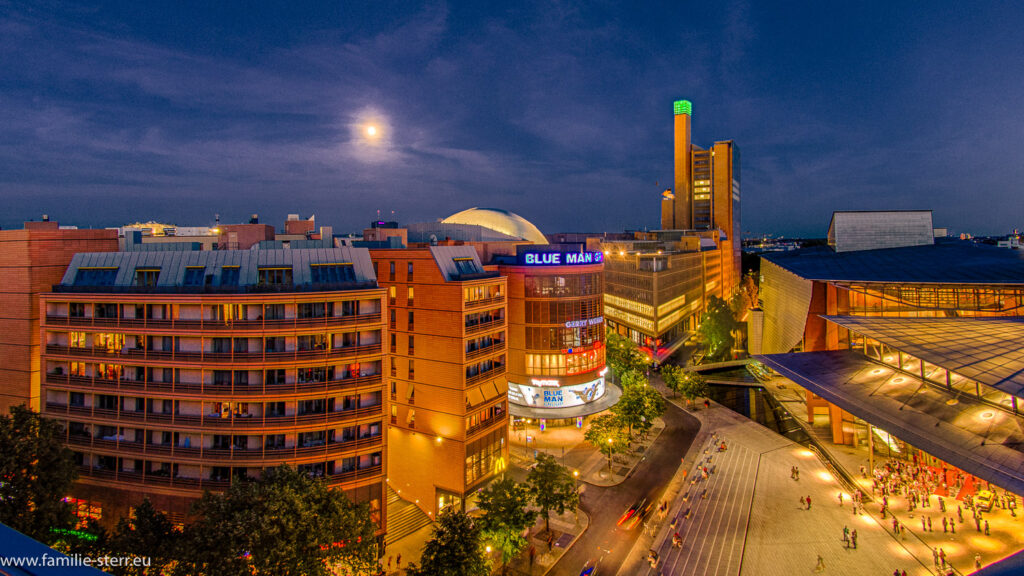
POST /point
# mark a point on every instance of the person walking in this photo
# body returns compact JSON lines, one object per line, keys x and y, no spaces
{"x":929,"y":523}
{"x":820,"y":566}
{"x":924,"y":526}
{"x":986,"y":528}
{"x":398,"y":561}
{"x":840,"y":496}
{"x":944,"y":524}
{"x":853,"y":539}
{"x":803,"y":502}
{"x":808,"y":502}
{"x":977,"y":561}
{"x":952,"y":526}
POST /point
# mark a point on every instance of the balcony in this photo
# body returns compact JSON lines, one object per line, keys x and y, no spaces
{"x":483,"y":303}
{"x":488,"y":423}
{"x":486,"y":350}
{"x":193,"y":325}
{"x":486,"y":375}
{"x":484,"y":326}
{"x":138,"y":354}
{"x":213,"y":421}
{"x":199,"y":484}
{"x":192,"y":389}
{"x":130,"y":449}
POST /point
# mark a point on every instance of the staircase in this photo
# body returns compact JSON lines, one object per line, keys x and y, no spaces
{"x":404,"y":518}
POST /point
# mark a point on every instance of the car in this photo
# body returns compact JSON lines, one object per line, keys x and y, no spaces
{"x":984,"y":500}
{"x":631,"y":511}
{"x":589,"y":569}
{"x":640,"y":516}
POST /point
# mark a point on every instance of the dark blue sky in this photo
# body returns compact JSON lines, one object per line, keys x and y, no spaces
{"x":562,"y":112}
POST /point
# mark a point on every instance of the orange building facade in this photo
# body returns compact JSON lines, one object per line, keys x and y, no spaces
{"x":447,"y":337}
{"x":32,"y":260}
{"x":175,"y":373}
{"x":556,"y":333}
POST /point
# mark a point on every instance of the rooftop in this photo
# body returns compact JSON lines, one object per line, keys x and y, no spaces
{"x":220,"y":271}
{"x":969,"y":434}
{"x":988,"y":350}
{"x":945,"y":262}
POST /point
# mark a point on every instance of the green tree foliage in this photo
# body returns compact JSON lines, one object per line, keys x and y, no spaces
{"x":689,"y":384}
{"x":606,"y":434}
{"x":506,"y":517}
{"x":672,"y":376}
{"x":638,"y":407}
{"x":716,"y":326}
{"x":623,"y":355}
{"x":633,"y":379}
{"x":552,"y":487}
{"x":455,"y":549}
{"x":36,"y":473}
{"x":285,"y":523}
{"x":150,"y":535}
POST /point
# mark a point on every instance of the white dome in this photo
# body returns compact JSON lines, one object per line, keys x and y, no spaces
{"x":500,"y":221}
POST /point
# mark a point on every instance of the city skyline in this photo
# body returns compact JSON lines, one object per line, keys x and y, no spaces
{"x":561,"y":114}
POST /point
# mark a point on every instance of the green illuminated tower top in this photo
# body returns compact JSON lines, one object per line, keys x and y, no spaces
{"x":682,"y":107}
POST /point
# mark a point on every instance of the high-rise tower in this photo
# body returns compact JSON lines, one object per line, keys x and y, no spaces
{"x":707,"y":191}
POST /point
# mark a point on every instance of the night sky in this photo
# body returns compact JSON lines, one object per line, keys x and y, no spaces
{"x":562,"y":112}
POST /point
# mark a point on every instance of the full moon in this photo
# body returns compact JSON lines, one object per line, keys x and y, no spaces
{"x":371,"y":130}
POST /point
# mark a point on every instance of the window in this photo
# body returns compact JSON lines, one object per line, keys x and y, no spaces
{"x":394,"y":344}
{"x":273,"y":311}
{"x":95,"y":276}
{"x":274,"y":377}
{"x":412,"y":345}
{"x":410,"y":296}
{"x":465,"y":265}
{"x":392,"y":295}
{"x":194,"y":275}
{"x":394,"y":367}
{"x":274,"y":276}
{"x":315,"y":309}
{"x":394,"y":390}
{"x":391,"y":319}
{"x":229,"y":275}
{"x":410,"y":393}
{"x":332,"y":273}
{"x":146,"y":277}
{"x":412,"y":369}
{"x":394,"y":414}
{"x":412,"y":321}
{"x":76,"y":339}
{"x":411,"y":418}
{"x":76,"y":309}
{"x":391,"y":270}
{"x":408,"y":273}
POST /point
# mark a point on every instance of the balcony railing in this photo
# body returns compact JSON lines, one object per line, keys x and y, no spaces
{"x":182,"y":453}
{"x":488,"y":423}
{"x":194,"y":324}
{"x":218,"y":390}
{"x":495,"y":371}
{"x":212,"y":421}
{"x":138,"y":354}
{"x":484,"y":326}
{"x":473,"y":304}
{"x":198,"y":484}
{"x":486,"y":350}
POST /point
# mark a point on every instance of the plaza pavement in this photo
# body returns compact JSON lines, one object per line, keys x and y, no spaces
{"x":751,"y":522}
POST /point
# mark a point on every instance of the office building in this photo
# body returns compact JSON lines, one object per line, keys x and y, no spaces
{"x":447,"y":360}
{"x":707,"y":190}
{"x":32,"y":260}
{"x":556,"y":331}
{"x":179,"y":372}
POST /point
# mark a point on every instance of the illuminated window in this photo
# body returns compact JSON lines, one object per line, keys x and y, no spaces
{"x":411,"y":294}
{"x":76,"y":339}
{"x":146,"y":277}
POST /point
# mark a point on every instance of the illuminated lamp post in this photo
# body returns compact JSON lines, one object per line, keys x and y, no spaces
{"x":576,"y":487}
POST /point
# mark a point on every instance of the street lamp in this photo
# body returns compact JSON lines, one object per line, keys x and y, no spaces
{"x":576,"y":486}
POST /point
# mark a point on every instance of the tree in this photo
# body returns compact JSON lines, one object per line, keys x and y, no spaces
{"x":455,"y":548}
{"x":284,"y":523}
{"x":692,"y":385}
{"x":36,"y":473}
{"x":623,"y":355}
{"x":672,"y":376}
{"x":606,"y":434}
{"x":638,"y":407}
{"x":506,"y":517}
{"x":633,"y":379}
{"x":552,"y":486}
{"x":150,"y":535}
{"x":716,"y":326}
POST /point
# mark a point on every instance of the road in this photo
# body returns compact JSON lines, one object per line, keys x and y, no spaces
{"x":605,"y":505}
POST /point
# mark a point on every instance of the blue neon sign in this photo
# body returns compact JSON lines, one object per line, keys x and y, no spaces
{"x":562,"y":258}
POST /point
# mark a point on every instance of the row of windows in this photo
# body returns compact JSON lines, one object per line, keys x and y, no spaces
{"x":223,"y":312}
{"x":218,"y":473}
{"x":560,"y":312}
{"x":484,"y":456}
{"x":565,"y":364}
{"x":541,"y":338}
{"x":278,"y":377}
{"x":196,"y":276}
{"x":558,"y":286}
{"x":219,"y":409}
{"x":114,"y":343}
{"x":255,"y":442}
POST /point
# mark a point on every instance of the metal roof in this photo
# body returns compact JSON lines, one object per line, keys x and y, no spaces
{"x":969,"y":434}
{"x":172,"y":266}
{"x":989,"y":350}
{"x":945,"y":262}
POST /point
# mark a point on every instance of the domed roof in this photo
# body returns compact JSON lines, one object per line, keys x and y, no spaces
{"x":500,"y":221}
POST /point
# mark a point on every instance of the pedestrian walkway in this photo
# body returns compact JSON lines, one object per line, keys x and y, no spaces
{"x":1006,"y":532}
{"x":752,"y":521}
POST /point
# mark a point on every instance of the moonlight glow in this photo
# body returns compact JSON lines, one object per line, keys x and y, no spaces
{"x":371,"y":131}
